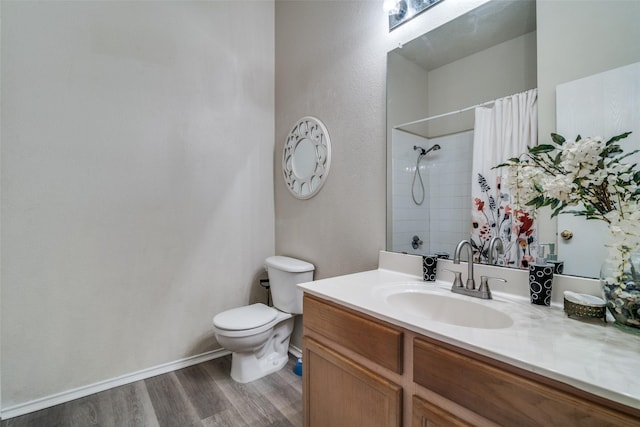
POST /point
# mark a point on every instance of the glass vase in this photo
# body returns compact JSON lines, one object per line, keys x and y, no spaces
{"x":620,"y":279}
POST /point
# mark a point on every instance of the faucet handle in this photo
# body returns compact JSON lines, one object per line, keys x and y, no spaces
{"x":484,"y":284}
{"x":457,"y":281}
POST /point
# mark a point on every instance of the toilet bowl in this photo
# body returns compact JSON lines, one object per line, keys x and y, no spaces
{"x":257,"y":335}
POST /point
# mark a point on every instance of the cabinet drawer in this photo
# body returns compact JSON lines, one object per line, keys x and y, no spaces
{"x":504,"y":397}
{"x":374,"y":340}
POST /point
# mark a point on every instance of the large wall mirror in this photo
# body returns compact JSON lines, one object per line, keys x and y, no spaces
{"x":496,"y":50}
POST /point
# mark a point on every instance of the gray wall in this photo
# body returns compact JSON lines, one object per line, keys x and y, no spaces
{"x":137,"y":183}
{"x":329,"y":65}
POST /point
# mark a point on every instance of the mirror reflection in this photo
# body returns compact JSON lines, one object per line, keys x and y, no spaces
{"x":434,"y":85}
{"x":604,"y":104}
{"x":304,"y":159}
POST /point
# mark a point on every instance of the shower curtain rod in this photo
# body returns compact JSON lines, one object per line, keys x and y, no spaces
{"x":450,"y":113}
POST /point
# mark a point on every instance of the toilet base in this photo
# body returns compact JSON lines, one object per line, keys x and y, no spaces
{"x":245,"y":367}
{"x":273,"y":356}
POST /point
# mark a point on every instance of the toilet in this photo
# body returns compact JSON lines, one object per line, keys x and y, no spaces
{"x":258,"y":335}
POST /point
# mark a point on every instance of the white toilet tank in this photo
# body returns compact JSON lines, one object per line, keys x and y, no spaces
{"x":284,"y":274}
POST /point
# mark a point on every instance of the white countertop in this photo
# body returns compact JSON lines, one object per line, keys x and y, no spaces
{"x":589,"y":355}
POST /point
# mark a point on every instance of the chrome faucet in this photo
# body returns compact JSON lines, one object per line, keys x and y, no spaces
{"x":471,"y":285}
{"x":495,"y":244}
{"x":470,"y":290}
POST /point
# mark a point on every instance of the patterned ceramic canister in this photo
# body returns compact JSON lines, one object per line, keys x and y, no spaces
{"x":558,"y":266}
{"x":429,"y":267}
{"x":540,"y":279}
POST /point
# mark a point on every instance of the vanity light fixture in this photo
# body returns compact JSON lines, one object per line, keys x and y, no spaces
{"x":396,"y":8}
{"x":401,"y":11}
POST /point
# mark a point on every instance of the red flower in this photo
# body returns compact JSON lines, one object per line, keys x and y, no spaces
{"x":485,"y":232}
{"x":479,"y":204}
{"x":526,"y":223}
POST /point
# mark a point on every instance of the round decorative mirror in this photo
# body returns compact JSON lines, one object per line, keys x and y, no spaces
{"x":306,"y":157}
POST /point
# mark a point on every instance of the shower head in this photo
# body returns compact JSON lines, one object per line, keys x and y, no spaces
{"x":434,"y":147}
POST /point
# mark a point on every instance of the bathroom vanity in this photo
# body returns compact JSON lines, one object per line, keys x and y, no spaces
{"x":371,"y":358}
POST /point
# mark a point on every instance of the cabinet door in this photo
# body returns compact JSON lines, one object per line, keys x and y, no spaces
{"x":339,"y":392}
{"x":426,"y":414}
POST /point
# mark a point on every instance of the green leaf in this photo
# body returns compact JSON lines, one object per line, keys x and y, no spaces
{"x":558,"y":159}
{"x":631,"y":153}
{"x":538,"y":187}
{"x":612,"y":150}
{"x":618,"y":138}
{"x":558,"y":139}
{"x":509,"y":162}
{"x":542,"y":148}
{"x":536,"y":201}
{"x":556,"y":212}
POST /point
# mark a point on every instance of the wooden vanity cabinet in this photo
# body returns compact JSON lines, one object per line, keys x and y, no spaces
{"x":338,"y":391}
{"x":360,"y":371}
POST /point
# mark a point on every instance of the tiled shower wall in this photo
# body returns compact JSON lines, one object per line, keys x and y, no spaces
{"x":443,"y":219}
{"x":409,"y":219}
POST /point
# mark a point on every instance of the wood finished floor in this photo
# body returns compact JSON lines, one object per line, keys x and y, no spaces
{"x":202,"y":395}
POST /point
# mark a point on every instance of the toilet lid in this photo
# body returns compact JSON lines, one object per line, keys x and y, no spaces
{"x":247,"y":317}
{"x":291,"y":265}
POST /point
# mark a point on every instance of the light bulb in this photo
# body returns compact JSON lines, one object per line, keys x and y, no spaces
{"x":390,"y":6}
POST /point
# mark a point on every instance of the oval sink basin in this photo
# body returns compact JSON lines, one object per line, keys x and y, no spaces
{"x":446,"y":309}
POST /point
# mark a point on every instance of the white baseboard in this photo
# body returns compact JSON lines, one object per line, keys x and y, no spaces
{"x":66,"y":396}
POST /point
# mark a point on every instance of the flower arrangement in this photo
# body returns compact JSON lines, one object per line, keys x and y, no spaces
{"x":566,"y":173}
{"x":588,"y":177}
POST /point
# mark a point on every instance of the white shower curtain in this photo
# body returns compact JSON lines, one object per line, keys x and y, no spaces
{"x":501,"y":132}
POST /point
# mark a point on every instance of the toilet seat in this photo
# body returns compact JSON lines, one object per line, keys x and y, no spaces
{"x":248,"y":320}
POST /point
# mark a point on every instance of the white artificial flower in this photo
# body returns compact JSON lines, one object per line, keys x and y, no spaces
{"x":520,"y":180}
{"x":560,"y":187}
{"x":580,"y":158}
